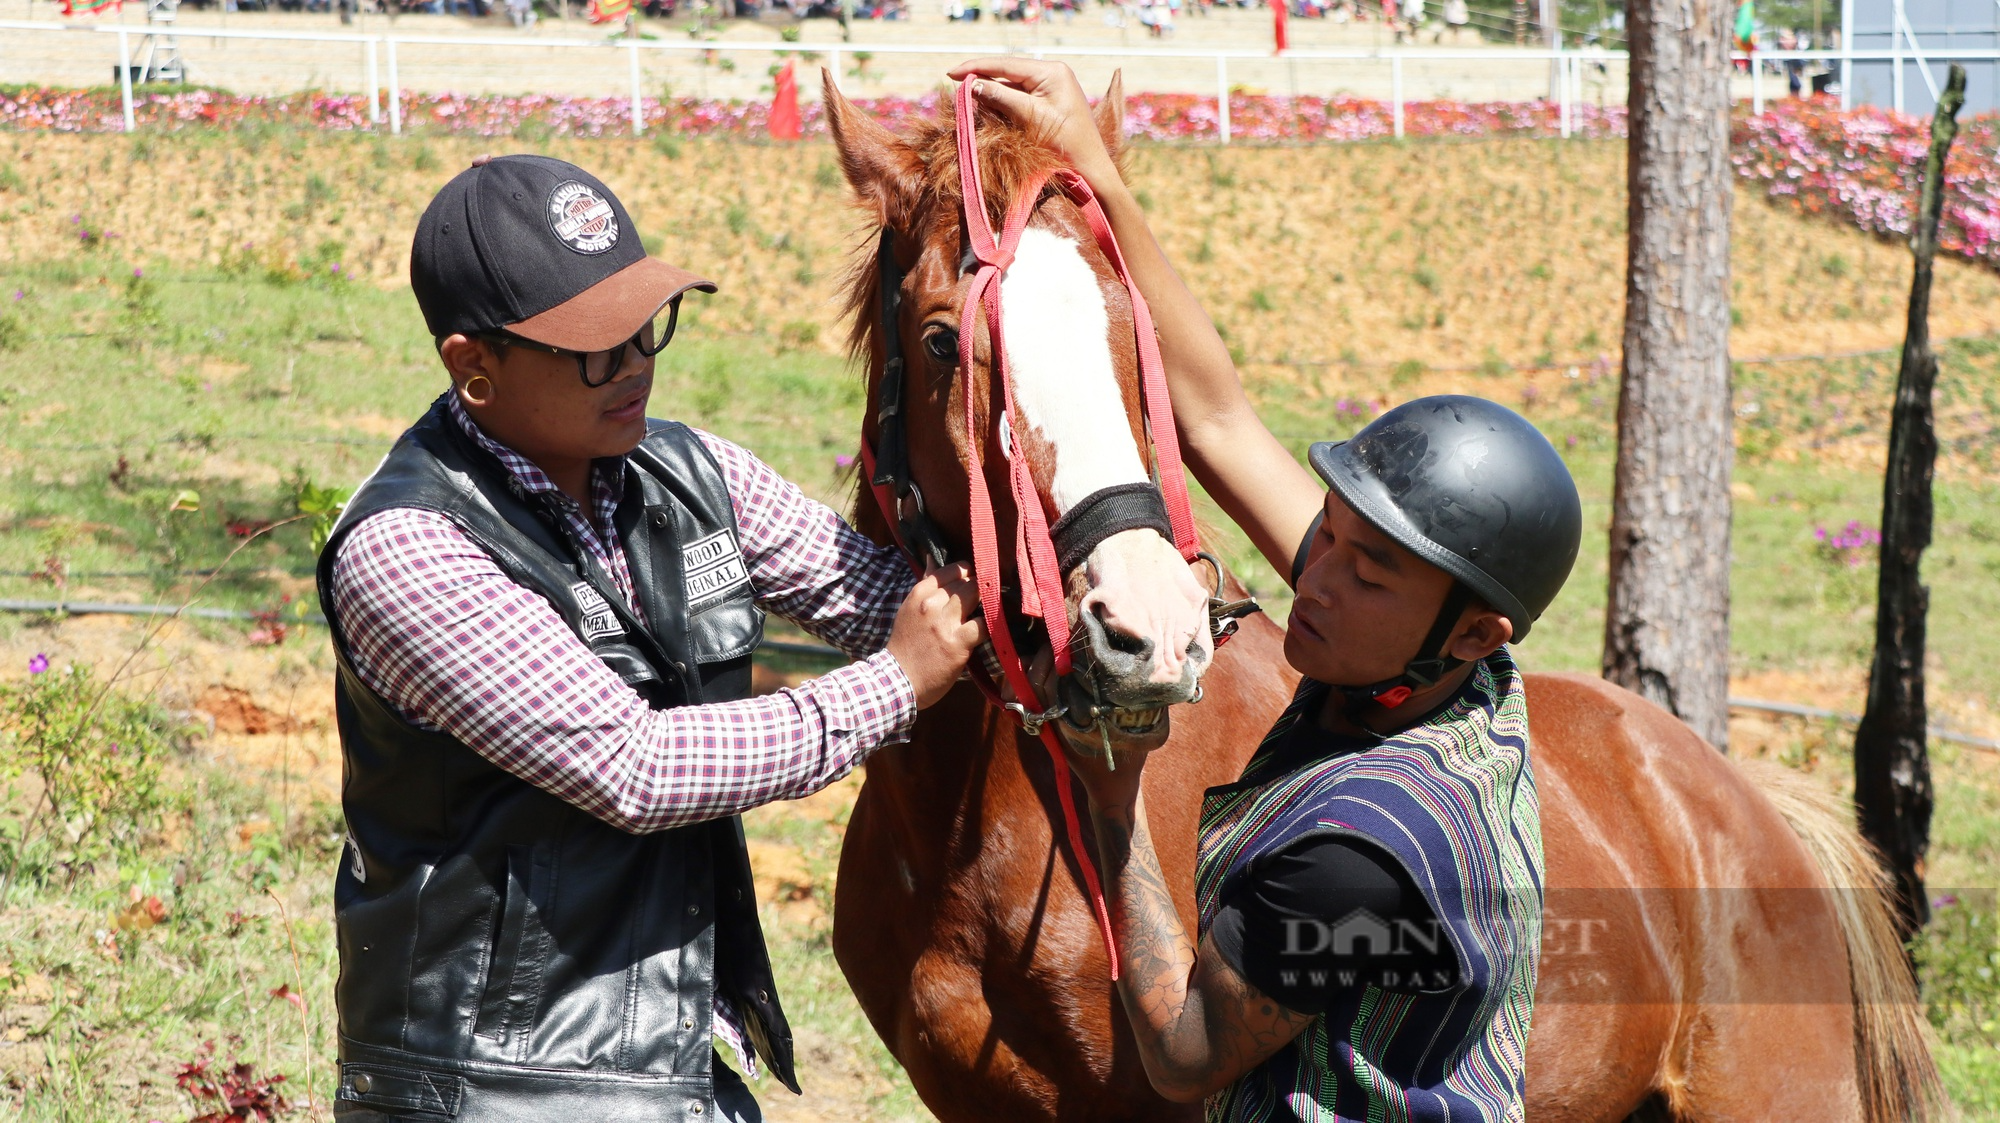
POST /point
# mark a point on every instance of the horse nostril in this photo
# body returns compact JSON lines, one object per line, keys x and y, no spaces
{"x":1127,"y":644}
{"x":1108,"y":639}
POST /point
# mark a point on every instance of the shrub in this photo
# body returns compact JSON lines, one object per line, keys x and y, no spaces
{"x":91,"y":760}
{"x":1958,"y":961}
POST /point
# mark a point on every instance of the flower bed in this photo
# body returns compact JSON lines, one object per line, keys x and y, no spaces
{"x":1154,"y":117}
{"x":1859,"y":166}
{"x":1862,"y":167}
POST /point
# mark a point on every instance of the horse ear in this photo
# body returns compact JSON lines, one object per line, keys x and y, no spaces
{"x":1110,"y":116}
{"x":884,"y":171}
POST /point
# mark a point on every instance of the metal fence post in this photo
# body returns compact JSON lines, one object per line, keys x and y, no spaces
{"x":1222,"y":96}
{"x":1846,"y":55}
{"x":1562,"y":92}
{"x":374,"y":88}
{"x":833,"y":58}
{"x":638,"y":108}
{"x":125,"y":77}
{"x":395,"y":91}
{"x":1756,"y":84}
{"x":1396,"y":88}
{"x":1576,"y":88}
{"x":1895,"y":59}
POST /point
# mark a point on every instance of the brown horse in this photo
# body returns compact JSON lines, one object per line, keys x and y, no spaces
{"x":1695,"y":965}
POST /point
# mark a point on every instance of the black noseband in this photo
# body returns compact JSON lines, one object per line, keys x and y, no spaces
{"x":1106,"y":512}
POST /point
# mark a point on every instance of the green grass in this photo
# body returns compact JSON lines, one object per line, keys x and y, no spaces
{"x":107,"y":1014}
{"x":119,"y":393}
{"x":242,"y":386}
{"x":1791,"y":606}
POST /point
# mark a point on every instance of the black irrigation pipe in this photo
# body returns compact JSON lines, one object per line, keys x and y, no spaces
{"x":121,"y":446}
{"x":131,"y":574}
{"x":106,"y":608}
{"x":821,"y":651}
{"x":1792,"y":709}
{"x":1560,"y":364}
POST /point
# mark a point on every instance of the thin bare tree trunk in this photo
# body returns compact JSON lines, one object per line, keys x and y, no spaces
{"x":1666,"y":628}
{"x":1892,"y":768}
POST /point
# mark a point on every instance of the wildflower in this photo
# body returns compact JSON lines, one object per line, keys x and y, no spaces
{"x":38,"y":664}
{"x":137,"y":273}
{"x":843,"y":462}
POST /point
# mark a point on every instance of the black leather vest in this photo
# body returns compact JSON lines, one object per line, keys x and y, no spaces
{"x":503,"y":954}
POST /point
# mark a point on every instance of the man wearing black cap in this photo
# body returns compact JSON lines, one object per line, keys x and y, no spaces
{"x":544,"y":607}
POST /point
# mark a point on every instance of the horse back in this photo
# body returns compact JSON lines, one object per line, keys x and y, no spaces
{"x":1687,"y":932}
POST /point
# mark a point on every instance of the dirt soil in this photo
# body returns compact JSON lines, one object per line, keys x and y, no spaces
{"x":268,"y":711}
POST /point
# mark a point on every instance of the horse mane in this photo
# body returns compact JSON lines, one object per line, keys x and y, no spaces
{"x":1010,"y":158}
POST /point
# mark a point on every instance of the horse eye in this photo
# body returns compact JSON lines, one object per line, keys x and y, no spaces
{"x":941,"y":345}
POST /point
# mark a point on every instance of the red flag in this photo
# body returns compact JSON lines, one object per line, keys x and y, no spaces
{"x":1278,"y":26}
{"x":785,"y":106}
{"x":608,"y":11}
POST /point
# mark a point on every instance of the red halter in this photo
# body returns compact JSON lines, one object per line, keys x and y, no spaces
{"x":1041,"y":575}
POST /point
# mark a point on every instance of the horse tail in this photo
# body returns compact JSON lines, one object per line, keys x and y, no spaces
{"x":1892,"y":1040}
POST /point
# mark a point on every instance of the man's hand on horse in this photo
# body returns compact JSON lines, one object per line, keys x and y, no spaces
{"x":937,"y":630}
{"x":1044,"y":98}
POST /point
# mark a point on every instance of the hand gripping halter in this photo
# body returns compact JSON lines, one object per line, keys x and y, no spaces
{"x":1043,"y":554}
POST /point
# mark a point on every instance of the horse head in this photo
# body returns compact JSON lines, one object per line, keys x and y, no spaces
{"x":1137,"y":615}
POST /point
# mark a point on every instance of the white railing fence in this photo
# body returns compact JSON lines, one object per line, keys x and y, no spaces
{"x":1567,"y":71}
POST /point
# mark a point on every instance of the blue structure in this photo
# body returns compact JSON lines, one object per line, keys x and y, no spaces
{"x":1928,"y":35}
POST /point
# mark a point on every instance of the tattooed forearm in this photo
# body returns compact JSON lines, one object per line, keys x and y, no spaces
{"x":1153,"y":944}
{"x":1199,"y":1025}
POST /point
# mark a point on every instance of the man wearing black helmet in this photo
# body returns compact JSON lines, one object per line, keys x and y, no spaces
{"x":1370,"y":891}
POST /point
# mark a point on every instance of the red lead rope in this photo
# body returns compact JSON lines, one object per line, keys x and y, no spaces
{"x":1035,"y":555}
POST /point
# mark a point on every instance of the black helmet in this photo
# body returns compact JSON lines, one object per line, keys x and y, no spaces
{"x":1471,"y":487}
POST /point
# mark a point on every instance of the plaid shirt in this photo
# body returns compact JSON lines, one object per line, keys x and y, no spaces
{"x":440,"y":632}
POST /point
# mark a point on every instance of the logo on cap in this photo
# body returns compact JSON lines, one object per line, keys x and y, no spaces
{"x":581,"y":218}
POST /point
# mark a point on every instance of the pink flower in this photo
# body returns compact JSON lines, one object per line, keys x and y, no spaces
{"x":38,"y":663}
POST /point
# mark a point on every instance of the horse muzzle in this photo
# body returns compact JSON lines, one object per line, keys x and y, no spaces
{"x":1114,"y":689}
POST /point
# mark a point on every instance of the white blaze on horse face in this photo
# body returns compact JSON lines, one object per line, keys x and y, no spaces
{"x":1057,"y":334}
{"x":1059,"y":350}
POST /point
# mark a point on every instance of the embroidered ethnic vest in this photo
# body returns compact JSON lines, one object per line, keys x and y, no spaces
{"x":1453,"y":800}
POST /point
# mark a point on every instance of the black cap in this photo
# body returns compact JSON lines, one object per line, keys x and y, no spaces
{"x":1471,"y":487}
{"x":541,"y":248}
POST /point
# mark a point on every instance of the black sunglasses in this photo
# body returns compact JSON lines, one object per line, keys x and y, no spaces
{"x":596,"y":368}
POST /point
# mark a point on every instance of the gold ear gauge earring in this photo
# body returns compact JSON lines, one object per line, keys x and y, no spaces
{"x":481,"y":395}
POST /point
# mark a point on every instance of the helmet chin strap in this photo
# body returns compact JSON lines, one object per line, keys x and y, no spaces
{"x":1430,"y":665}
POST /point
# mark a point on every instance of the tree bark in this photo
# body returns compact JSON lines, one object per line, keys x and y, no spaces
{"x":1666,"y":627}
{"x":1892,"y":768}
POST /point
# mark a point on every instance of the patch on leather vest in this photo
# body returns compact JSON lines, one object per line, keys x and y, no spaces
{"x":713,"y":566}
{"x":598,"y":621}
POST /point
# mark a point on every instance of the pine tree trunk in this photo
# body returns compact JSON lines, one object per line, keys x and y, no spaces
{"x":1892,"y":768}
{"x":1666,"y":628}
